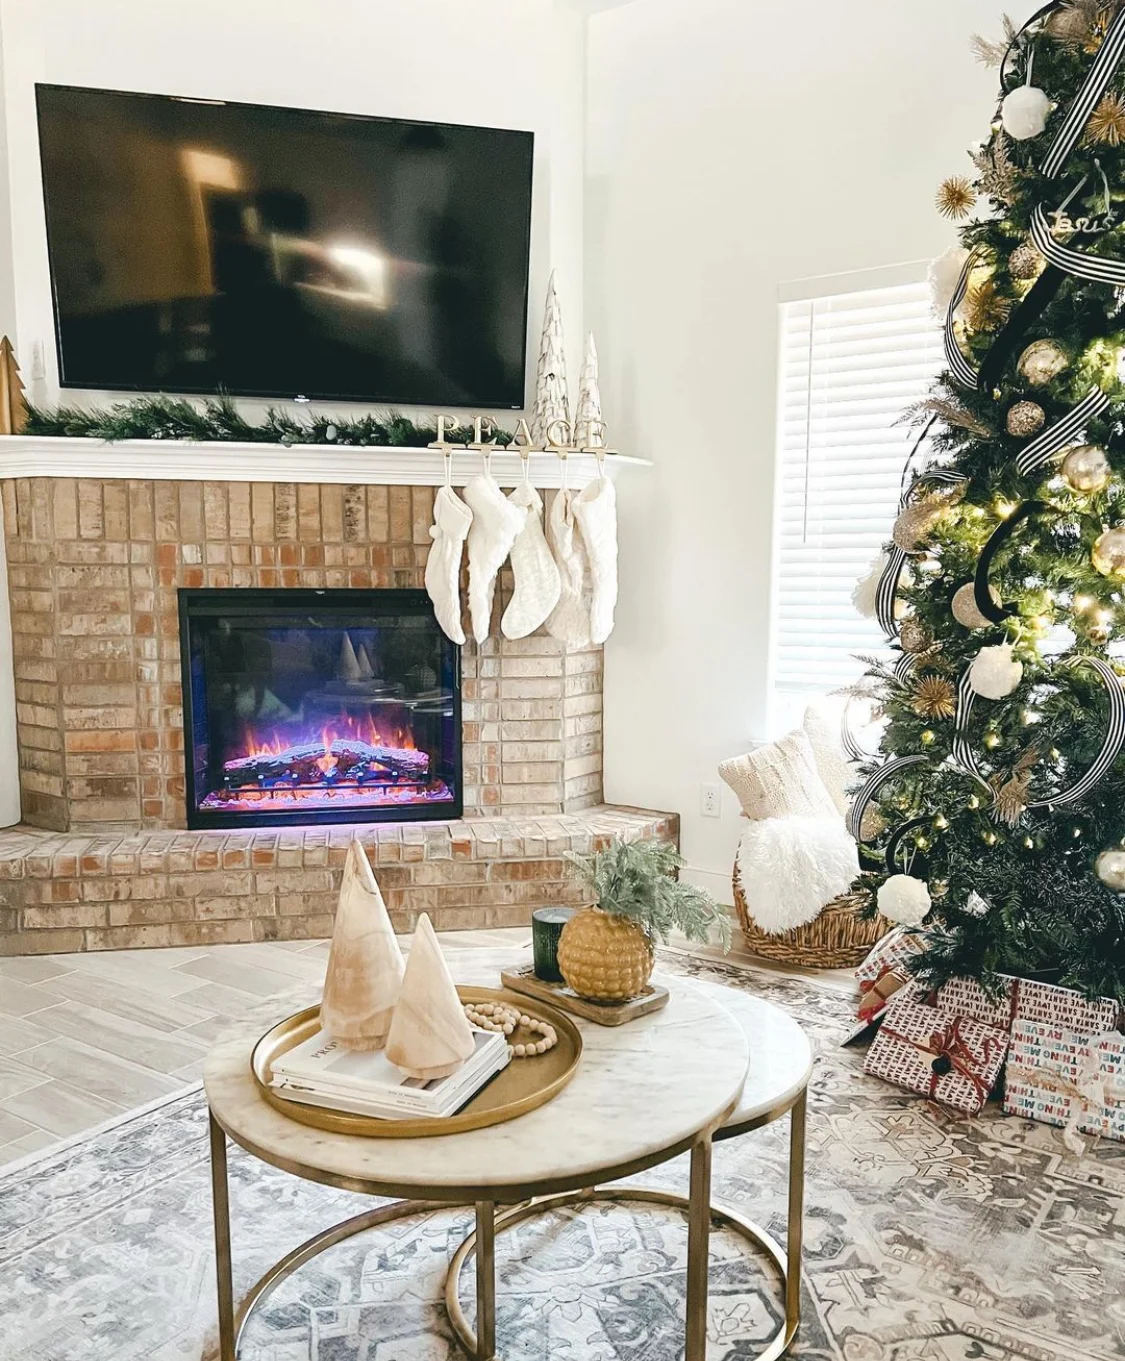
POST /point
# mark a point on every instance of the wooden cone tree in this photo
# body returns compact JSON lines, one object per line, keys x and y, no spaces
{"x":13,"y":406}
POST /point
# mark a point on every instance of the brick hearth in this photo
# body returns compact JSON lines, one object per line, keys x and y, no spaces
{"x":64,"y":893}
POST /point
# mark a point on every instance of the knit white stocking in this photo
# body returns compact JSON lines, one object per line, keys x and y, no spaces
{"x":452,"y":518}
{"x":595,"y":508}
{"x":496,"y":524}
{"x":570,"y":619}
{"x":537,"y":578}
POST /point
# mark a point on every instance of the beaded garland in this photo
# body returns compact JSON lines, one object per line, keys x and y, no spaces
{"x":505,"y":1020}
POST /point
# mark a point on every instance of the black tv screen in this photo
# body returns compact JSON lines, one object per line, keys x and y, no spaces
{"x":199,"y":246}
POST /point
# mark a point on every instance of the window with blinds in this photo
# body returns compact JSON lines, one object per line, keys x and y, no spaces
{"x":850,"y":365}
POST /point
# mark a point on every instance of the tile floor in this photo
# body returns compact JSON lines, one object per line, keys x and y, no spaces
{"x":86,"y":1037}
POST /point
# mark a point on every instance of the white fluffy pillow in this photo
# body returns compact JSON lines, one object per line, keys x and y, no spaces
{"x":779,"y":780}
{"x":829,"y":756}
{"x":792,"y":867}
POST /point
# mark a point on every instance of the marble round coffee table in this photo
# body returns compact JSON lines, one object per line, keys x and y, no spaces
{"x":640,"y":1097}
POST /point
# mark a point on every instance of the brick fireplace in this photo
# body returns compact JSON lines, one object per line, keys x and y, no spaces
{"x":103,"y":859}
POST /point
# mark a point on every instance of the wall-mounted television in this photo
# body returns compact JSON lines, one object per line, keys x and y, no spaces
{"x":201,"y":246}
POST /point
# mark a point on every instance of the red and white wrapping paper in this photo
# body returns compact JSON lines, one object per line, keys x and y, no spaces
{"x":951,"y":1059}
{"x":966,"y":997}
{"x":1067,"y":1063}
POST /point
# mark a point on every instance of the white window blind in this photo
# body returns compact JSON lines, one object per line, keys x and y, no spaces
{"x":850,"y":365}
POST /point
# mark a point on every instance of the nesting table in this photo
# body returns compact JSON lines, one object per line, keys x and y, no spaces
{"x":715,"y":1063}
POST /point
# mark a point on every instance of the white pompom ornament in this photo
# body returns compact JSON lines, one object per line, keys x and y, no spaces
{"x":995,"y":673}
{"x":867,"y":587}
{"x":944,"y":274}
{"x":904,"y":899}
{"x":1111,"y":869}
{"x":1024,"y":112}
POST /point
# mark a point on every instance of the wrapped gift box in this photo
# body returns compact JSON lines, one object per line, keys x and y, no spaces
{"x":884,"y":971}
{"x":966,"y":997}
{"x":1067,"y":1063}
{"x":951,"y":1059}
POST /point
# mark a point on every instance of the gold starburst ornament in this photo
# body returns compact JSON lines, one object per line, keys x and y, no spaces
{"x":985,"y":308}
{"x":934,"y":697}
{"x":1107,"y":123}
{"x":955,"y":197}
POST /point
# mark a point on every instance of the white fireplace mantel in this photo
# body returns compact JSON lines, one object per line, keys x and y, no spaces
{"x":207,"y":461}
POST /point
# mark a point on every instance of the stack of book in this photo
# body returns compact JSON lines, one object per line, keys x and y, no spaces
{"x":320,"y":1073}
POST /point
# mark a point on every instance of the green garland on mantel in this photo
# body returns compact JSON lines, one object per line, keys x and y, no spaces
{"x":171,"y":418}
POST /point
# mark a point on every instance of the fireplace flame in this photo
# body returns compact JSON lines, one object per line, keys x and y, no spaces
{"x":362,"y":727}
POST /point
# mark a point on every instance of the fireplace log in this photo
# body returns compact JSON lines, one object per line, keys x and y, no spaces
{"x":345,"y":760}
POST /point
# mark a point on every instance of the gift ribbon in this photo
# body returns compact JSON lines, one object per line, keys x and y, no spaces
{"x":949,"y":1043}
{"x":876,"y":996}
{"x":1089,"y":1090}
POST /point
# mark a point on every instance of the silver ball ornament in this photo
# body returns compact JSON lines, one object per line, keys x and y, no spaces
{"x":964,"y":606}
{"x":1110,"y":867}
{"x":1042,"y":361}
{"x":1025,"y":418}
{"x":1109,"y":553}
{"x":1086,"y":468}
{"x":1024,"y":112}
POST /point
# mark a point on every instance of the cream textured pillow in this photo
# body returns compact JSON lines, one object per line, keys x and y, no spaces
{"x":829,"y":756}
{"x":779,"y":780}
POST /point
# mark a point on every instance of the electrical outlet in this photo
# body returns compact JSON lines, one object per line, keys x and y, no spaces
{"x":710,"y":800}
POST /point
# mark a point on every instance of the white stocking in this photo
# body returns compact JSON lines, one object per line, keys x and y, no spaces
{"x":570,"y":620}
{"x":496,"y":524}
{"x":595,"y":508}
{"x":452,"y":518}
{"x":537,"y":578}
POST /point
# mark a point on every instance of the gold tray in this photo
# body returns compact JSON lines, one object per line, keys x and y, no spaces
{"x":521,"y":1087}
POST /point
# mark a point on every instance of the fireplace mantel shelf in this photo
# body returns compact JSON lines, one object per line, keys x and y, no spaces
{"x":207,"y":461}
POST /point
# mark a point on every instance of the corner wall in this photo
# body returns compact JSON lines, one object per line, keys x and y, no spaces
{"x":731,"y":147}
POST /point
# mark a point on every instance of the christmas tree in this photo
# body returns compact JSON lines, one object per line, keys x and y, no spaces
{"x":997,"y":803}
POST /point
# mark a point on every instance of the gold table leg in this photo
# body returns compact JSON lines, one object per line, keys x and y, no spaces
{"x":796,"y":1224}
{"x":486,"y":1280}
{"x":699,"y":1240}
{"x":220,"y":1200}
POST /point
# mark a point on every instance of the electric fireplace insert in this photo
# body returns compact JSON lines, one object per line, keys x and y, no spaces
{"x":308,"y":706}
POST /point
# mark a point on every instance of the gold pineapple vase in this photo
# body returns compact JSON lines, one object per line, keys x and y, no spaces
{"x":603,"y":957}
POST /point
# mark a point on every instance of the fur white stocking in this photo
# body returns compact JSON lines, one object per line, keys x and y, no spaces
{"x":496,"y":525}
{"x":570,"y":619}
{"x":595,"y":508}
{"x":537,"y":578}
{"x":452,"y":518}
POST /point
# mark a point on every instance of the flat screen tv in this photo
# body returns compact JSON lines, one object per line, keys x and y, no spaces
{"x":204,"y":246}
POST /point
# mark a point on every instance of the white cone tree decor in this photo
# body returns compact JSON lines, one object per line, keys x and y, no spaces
{"x":552,"y":400}
{"x":365,"y":964}
{"x":588,"y":427}
{"x":430,"y":1036}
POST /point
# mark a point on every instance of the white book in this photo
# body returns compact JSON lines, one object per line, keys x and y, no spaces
{"x":385,"y":1109}
{"x":320,"y":1065}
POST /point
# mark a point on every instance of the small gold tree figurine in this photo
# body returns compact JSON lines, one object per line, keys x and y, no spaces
{"x":13,"y":407}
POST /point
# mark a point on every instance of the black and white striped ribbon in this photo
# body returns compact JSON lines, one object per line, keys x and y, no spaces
{"x":904,"y":667}
{"x":1114,"y":737}
{"x":959,"y":366}
{"x":887,"y":591}
{"x":1067,"y":430}
{"x":874,"y":783}
{"x":962,"y":753}
{"x":942,"y":477}
{"x":848,"y":740}
{"x":1086,"y":101}
{"x":1090,"y":267}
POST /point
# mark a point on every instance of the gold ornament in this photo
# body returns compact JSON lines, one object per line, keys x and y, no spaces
{"x":1099,"y":633}
{"x":986,"y":307}
{"x":1086,"y":468}
{"x":1110,"y":868}
{"x":604,"y":957}
{"x":1011,"y":799}
{"x":1025,"y":263}
{"x":955,"y":197}
{"x":1025,"y":418}
{"x":1042,"y":361}
{"x":914,"y":636}
{"x":1109,"y":553}
{"x":873,"y":824}
{"x":916,"y":520}
{"x":1107,"y":123}
{"x":934,"y":697}
{"x":965,"y":606}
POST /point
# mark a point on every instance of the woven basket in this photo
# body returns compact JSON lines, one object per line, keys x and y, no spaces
{"x":837,"y":939}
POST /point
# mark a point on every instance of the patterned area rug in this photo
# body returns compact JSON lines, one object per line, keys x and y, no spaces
{"x":929,"y":1238}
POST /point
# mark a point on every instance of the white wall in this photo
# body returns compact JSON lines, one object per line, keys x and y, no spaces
{"x":502,"y":63}
{"x":731,"y":147}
